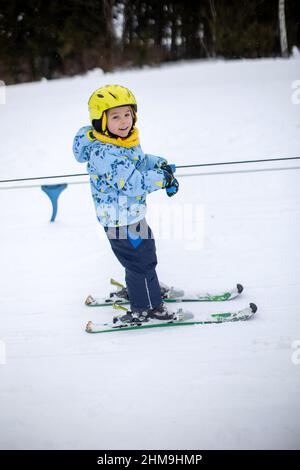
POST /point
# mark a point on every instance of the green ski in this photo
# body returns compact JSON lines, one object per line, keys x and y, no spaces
{"x":169,"y":294}
{"x":182,"y":318}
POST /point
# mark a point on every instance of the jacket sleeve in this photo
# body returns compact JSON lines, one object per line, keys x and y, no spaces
{"x":109,"y":171}
{"x":152,"y":161}
{"x":82,"y":144}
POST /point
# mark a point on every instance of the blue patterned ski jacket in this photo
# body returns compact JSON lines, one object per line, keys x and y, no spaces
{"x":120,"y":178}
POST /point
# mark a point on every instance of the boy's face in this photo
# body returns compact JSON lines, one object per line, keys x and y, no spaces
{"x":119,"y":120}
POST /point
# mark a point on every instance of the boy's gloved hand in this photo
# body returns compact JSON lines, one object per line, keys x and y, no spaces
{"x":169,"y":168}
{"x":173,"y":189}
{"x":171,"y":183}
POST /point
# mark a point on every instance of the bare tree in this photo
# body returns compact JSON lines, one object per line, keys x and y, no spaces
{"x":282,"y":29}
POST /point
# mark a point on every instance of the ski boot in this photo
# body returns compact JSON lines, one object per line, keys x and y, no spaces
{"x":166,"y":292}
{"x":142,"y":316}
{"x":120,"y":294}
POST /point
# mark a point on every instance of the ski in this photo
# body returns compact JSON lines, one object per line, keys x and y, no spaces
{"x":169,"y":294}
{"x":183,"y":318}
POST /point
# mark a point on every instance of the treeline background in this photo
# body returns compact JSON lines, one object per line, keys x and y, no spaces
{"x":52,"y":39}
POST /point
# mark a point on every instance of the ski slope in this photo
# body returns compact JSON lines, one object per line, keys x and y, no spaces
{"x":230,"y":386}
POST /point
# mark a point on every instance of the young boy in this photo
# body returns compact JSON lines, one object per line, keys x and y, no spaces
{"x":121,"y":176}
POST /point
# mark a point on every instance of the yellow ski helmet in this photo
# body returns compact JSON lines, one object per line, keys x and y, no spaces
{"x":106,"y":97}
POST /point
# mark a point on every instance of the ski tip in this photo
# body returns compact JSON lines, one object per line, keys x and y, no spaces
{"x":89,"y":300}
{"x":253,"y":307}
{"x":89,"y":326}
{"x":240,"y":288}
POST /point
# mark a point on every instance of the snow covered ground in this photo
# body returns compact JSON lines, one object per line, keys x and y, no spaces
{"x":231,"y":386}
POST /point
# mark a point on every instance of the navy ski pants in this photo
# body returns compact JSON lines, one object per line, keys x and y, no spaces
{"x":134,"y":246}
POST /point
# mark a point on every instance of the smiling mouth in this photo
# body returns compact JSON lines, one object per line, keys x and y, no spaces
{"x":124,"y":129}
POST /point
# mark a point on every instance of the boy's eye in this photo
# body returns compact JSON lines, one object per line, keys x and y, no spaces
{"x":118,"y":117}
